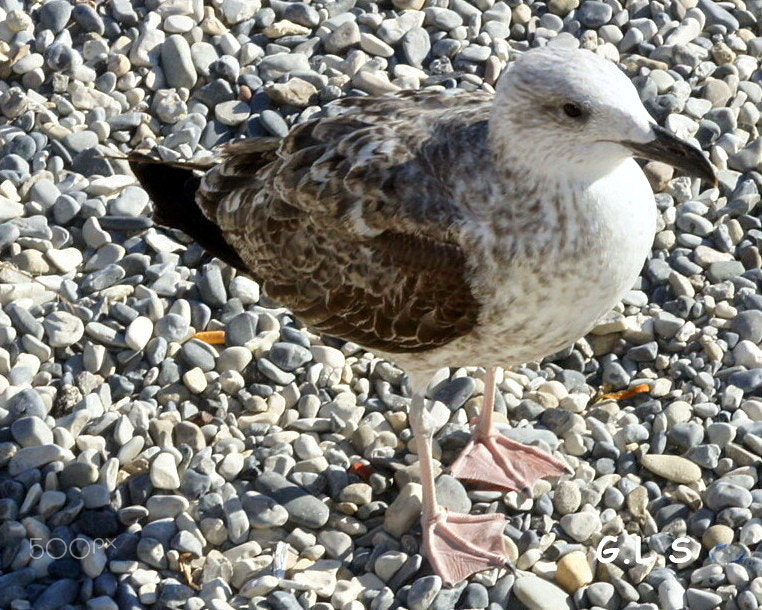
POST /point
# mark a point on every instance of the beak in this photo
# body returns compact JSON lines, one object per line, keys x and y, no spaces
{"x":673,"y":151}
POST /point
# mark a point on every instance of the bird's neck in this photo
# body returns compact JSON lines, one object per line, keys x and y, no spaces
{"x":518,"y":154}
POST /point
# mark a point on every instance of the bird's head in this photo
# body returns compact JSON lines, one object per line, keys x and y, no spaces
{"x":560,"y":106}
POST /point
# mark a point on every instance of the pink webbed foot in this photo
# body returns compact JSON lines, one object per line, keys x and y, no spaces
{"x":458,"y":545}
{"x":493,"y":459}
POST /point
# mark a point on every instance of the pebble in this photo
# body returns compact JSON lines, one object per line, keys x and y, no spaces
{"x":566,"y":498}
{"x":593,"y":14}
{"x":177,"y":62}
{"x":138,"y":333}
{"x":37,"y":456}
{"x":539,"y":594}
{"x":423,"y":592}
{"x":672,"y":467}
{"x":404,"y":511}
{"x":573,"y":571}
{"x":63,"y":329}
{"x":164,"y":473}
{"x":304,"y":510}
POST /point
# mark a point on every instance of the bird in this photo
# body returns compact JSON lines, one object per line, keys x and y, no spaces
{"x":442,"y":229}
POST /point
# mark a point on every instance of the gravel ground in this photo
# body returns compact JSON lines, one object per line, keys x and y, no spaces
{"x":143,"y":468}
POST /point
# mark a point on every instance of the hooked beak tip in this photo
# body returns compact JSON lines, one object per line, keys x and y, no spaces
{"x":669,"y":149}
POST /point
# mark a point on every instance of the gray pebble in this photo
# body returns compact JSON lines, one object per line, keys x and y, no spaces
{"x":304,"y":510}
{"x":177,"y":62}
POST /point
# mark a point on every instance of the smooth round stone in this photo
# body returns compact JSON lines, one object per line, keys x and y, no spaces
{"x":54,"y":15}
{"x":580,"y":526}
{"x":95,"y":496}
{"x":603,"y":595}
{"x":199,"y":354}
{"x":243,"y":288}
{"x":539,"y":594}
{"x":241,"y":329}
{"x":423,"y":591}
{"x":717,"y":534}
{"x":23,"y":146}
{"x":700,"y":599}
{"x":132,"y":201}
{"x":721,"y":494}
{"x":50,"y":502}
{"x":163,"y":506}
{"x":304,"y":510}
{"x":185,"y":542}
{"x":573,"y":571}
{"x":452,"y":495}
{"x":671,"y":595}
{"x":388,"y":563}
{"x":232,"y":113}
{"x":172,"y":327}
{"x":283,"y":600}
{"x":686,"y":435}
{"x":263,"y":512}
{"x":78,"y":474}
{"x":60,"y":593}
{"x":672,"y":467}
{"x":150,"y":551}
{"x":65,"y":260}
{"x":26,"y":402}
{"x":276,"y":126}
{"x":289,"y":356}
{"x":63,"y":328}
{"x":8,"y":233}
{"x":188,"y":433}
{"x":748,"y":324}
{"x":65,"y":567}
{"x":360,"y":493}
{"x":161,"y":529}
{"x":164,"y":473}
{"x":31,"y":431}
{"x":274,"y":373}
{"x":65,"y":209}
{"x":177,"y":62}
{"x":88,"y":19}
{"x":593,"y":14}
{"x":328,"y":356}
{"x":416,"y":46}
{"x":567,"y":497}
{"x":747,"y":381}
{"x":138,"y":333}
{"x":234,"y":358}
{"x":231,"y":466}
{"x":338,"y":545}
{"x":178,"y":24}
{"x":475,"y":596}
{"x":455,"y":393}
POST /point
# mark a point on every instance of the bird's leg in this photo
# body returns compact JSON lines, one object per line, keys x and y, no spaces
{"x":496,"y":460}
{"x":456,"y":545}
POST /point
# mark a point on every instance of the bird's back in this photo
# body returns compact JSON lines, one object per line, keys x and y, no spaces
{"x":353,"y":220}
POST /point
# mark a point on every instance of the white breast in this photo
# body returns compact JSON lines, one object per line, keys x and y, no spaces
{"x":534,"y":306}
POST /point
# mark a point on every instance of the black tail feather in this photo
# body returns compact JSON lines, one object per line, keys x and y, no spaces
{"x":172,"y":188}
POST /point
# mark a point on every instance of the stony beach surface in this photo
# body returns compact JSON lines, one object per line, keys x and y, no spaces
{"x":143,"y":468}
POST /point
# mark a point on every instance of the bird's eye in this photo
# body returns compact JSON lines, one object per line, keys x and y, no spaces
{"x":572,"y":110}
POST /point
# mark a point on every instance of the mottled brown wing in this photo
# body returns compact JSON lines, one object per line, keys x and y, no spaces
{"x":355,"y":223}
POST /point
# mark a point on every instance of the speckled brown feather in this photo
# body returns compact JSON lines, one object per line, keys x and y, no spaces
{"x":350,"y":222}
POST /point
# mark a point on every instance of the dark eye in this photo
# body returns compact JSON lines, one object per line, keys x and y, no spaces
{"x":572,"y":110}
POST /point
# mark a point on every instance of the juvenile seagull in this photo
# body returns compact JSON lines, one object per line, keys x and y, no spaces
{"x":446,"y":229}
